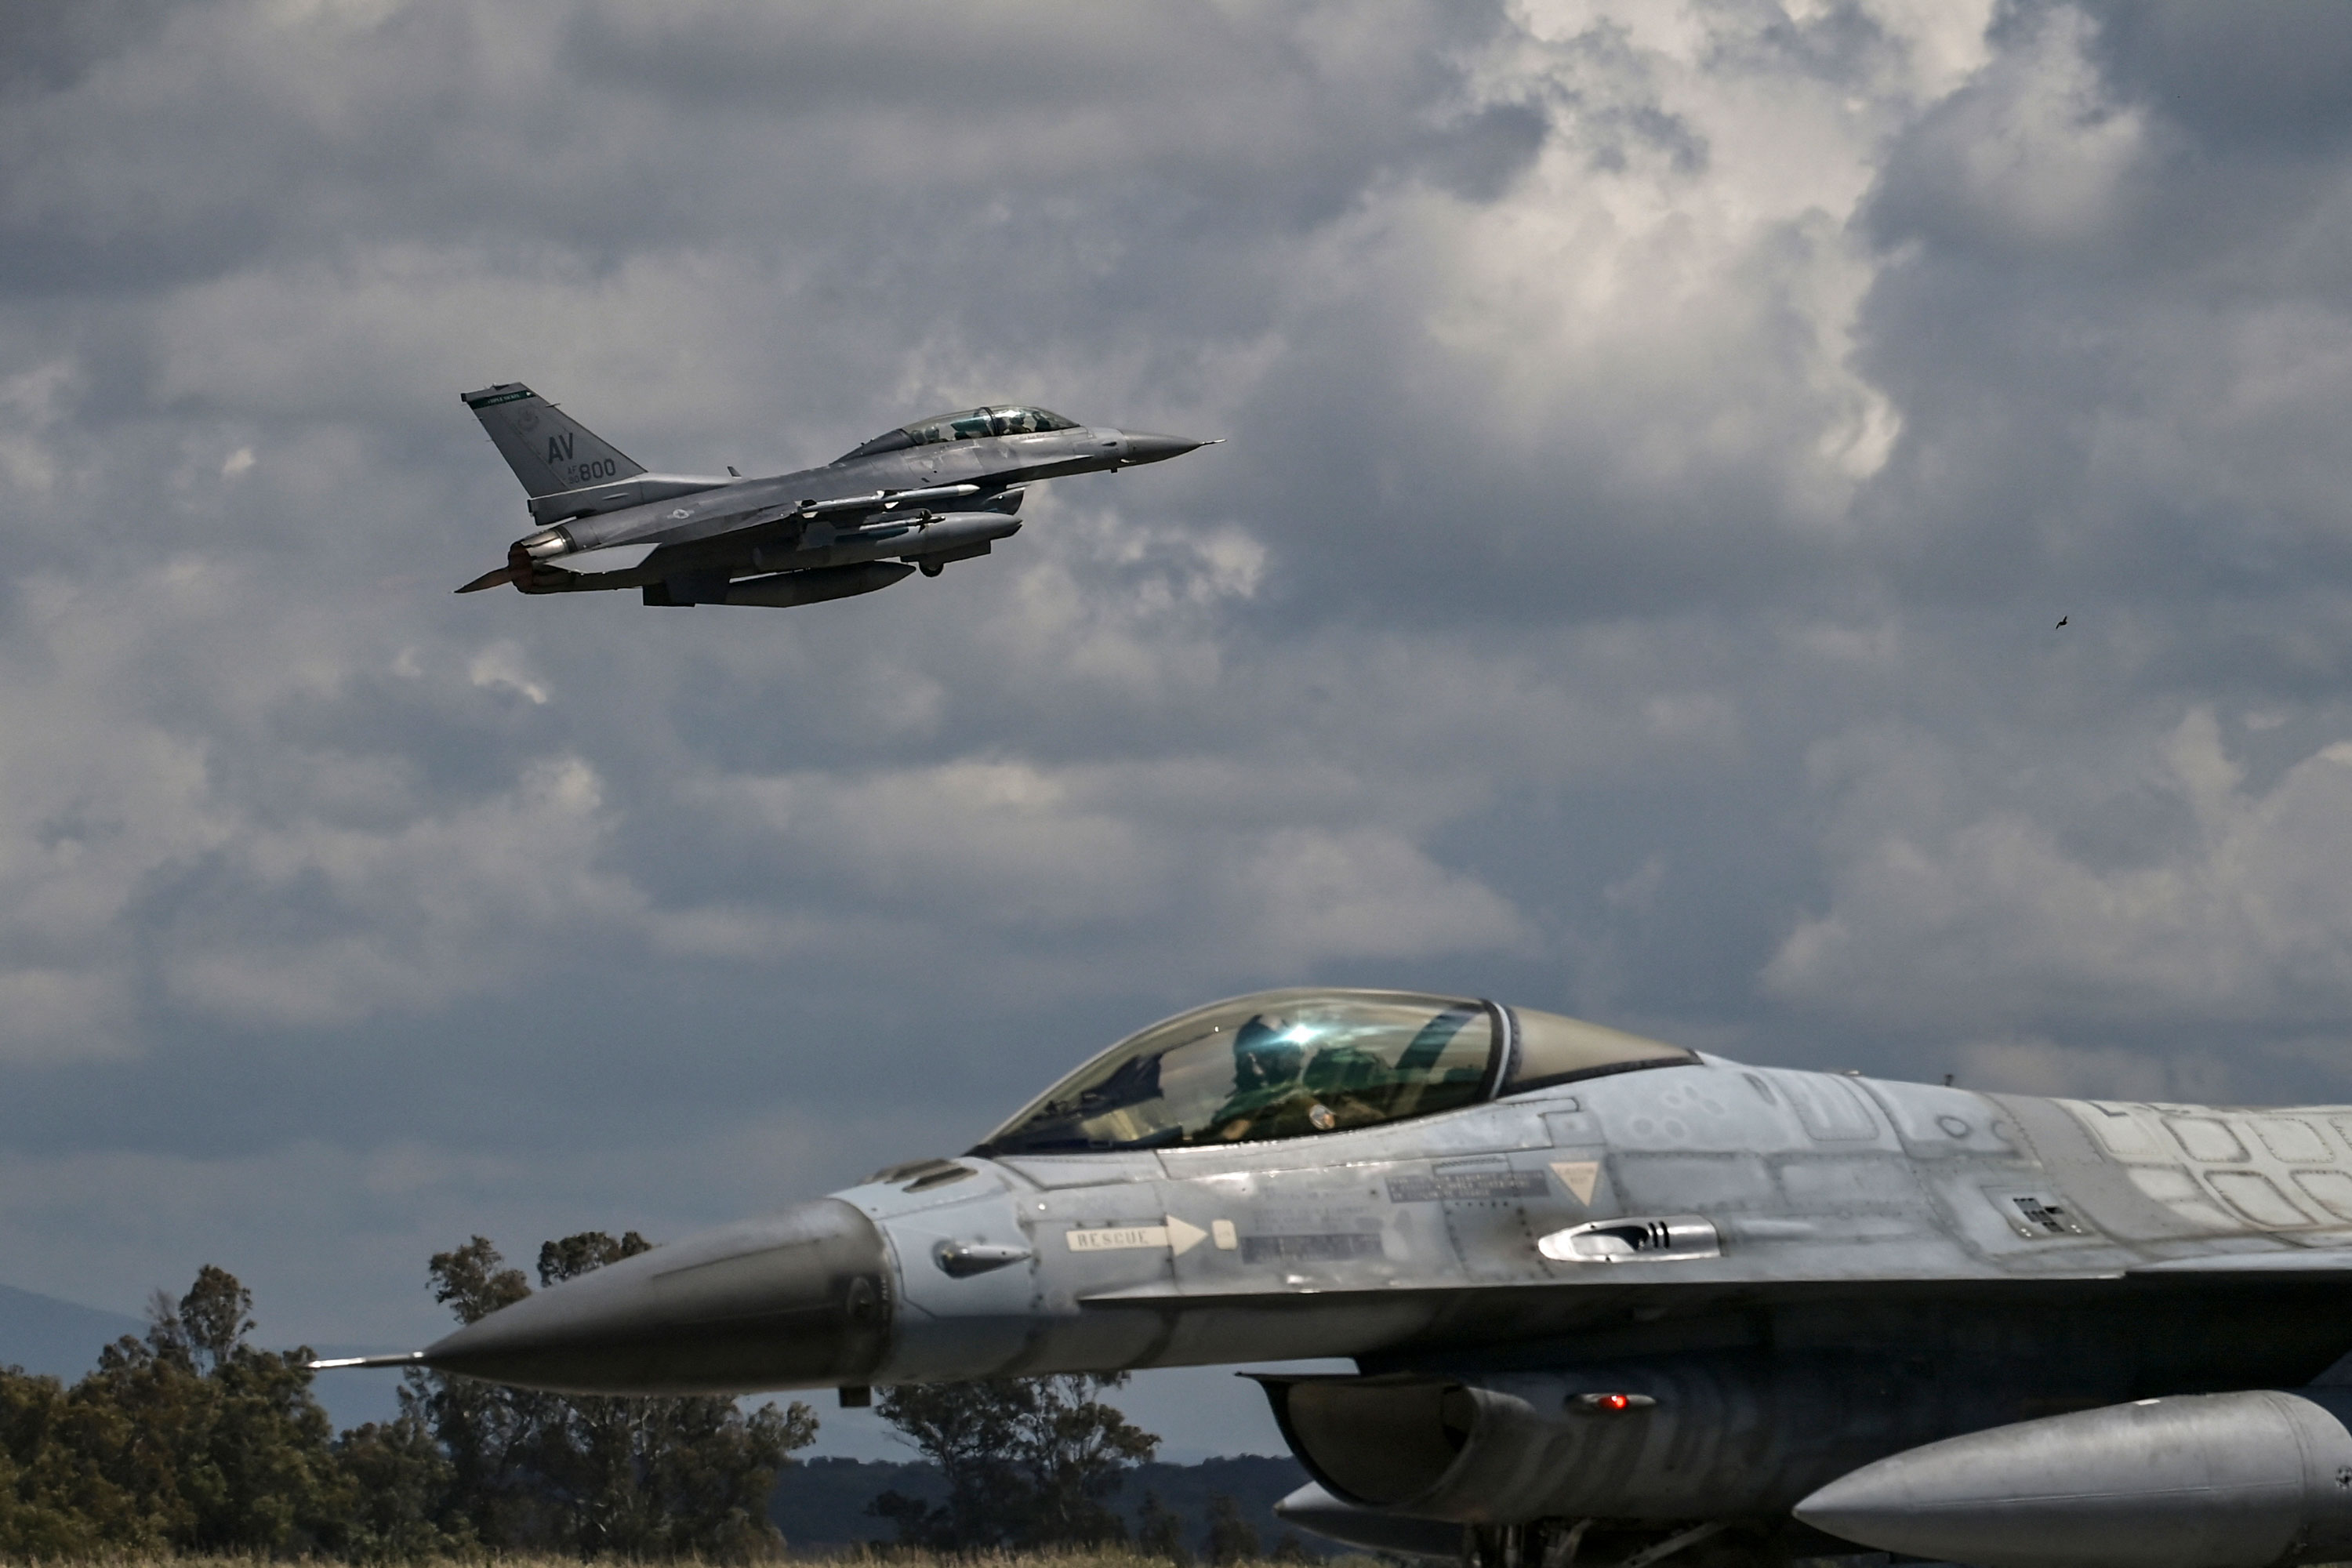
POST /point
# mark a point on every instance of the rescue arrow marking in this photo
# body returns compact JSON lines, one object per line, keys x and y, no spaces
{"x":1118,"y":1238}
{"x":1176,"y":1236}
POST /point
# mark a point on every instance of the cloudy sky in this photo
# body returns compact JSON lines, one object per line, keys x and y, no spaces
{"x":1663,"y":438}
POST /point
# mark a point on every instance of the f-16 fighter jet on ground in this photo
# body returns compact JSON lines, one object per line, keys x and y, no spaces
{"x":916,"y":497}
{"x":1609,"y":1300}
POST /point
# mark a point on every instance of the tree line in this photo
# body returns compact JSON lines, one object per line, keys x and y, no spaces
{"x":191,"y":1439}
{"x":1033,"y":1463}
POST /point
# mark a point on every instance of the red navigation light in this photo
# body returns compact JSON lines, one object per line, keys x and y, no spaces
{"x":1610,"y":1403}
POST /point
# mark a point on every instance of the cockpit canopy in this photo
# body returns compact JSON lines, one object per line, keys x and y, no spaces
{"x":1300,"y":1063}
{"x":994,"y":419}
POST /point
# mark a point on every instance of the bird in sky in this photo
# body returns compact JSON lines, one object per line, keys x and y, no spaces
{"x":2061,"y":621}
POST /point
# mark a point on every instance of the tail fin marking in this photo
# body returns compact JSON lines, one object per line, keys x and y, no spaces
{"x":548,"y":450}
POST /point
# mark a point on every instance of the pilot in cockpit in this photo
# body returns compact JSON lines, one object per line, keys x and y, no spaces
{"x":1266,"y":1055}
{"x":1268,"y":1060}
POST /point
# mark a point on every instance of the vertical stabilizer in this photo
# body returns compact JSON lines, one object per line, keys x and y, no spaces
{"x":545,"y":449}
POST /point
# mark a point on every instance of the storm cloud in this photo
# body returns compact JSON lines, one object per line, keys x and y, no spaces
{"x":1662,"y":441}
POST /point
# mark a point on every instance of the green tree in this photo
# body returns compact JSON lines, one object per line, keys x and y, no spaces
{"x":401,"y":1483}
{"x":57,"y":1499}
{"x":473,"y":1281}
{"x":217,"y":1442}
{"x":491,"y":1434}
{"x":190,"y":1439}
{"x":630,"y":1477}
{"x":971,"y":1431}
{"x":1028,"y":1462}
{"x":1077,"y":1451}
{"x":211,"y":1320}
{"x":1232,"y":1538}
{"x":1160,"y":1533}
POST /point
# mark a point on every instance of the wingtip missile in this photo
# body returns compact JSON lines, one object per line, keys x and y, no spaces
{"x":332,"y":1363}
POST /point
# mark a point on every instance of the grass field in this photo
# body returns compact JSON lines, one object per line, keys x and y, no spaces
{"x":896,"y":1558}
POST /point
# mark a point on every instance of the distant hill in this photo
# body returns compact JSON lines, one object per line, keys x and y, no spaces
{"x":60,"y":1338}
{"x":820,"y":1504}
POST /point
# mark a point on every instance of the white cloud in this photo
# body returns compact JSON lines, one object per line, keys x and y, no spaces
{"x":444,"y":907}
{"x":1656,"y":432}
{"x":2246,"y":915}
{"x":503,"y":666}
{"x":2033,"y":1066}
{"x":1200,"y":863}
{"x":1306,"y":897}
{"x":2035,"y":153}
{"x":31,"y":402}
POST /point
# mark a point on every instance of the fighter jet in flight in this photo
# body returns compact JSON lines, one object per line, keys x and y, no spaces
{"x":913,"y":498}
{"x":1611,"y":1301}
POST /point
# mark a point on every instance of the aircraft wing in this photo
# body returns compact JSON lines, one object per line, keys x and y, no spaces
{"x":2303,"y":1260}
{"x":2213,"y":1272}
{"x":600,"y":558}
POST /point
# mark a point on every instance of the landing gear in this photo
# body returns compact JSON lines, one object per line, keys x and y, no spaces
{"x":937,"y":561}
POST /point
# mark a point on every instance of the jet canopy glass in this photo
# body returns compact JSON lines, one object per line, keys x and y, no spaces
{"x":997,"y":419}
{"x":972,"y":424}
{"x":1297,"y":1064}
{"x":1281,"y":1064}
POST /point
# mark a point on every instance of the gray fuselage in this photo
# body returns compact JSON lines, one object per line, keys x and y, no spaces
{"x":721,"y":530}
{"x":1803,"y":1272}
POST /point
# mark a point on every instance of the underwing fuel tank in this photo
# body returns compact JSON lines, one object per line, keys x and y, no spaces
{"x":791,"y":589}
{"x":2217,"y":1480}
{"x":1667,"y":1438}
{"x":1312,"y":1507}
{"x":816,"y":587}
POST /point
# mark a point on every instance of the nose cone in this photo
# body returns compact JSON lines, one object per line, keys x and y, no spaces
{"x":800,"y":1300}
{"x":1143,"y":448}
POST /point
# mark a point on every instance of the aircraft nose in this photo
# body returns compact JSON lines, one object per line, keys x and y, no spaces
{"x":800,"y":1300}
{"x":1144,"y":449}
